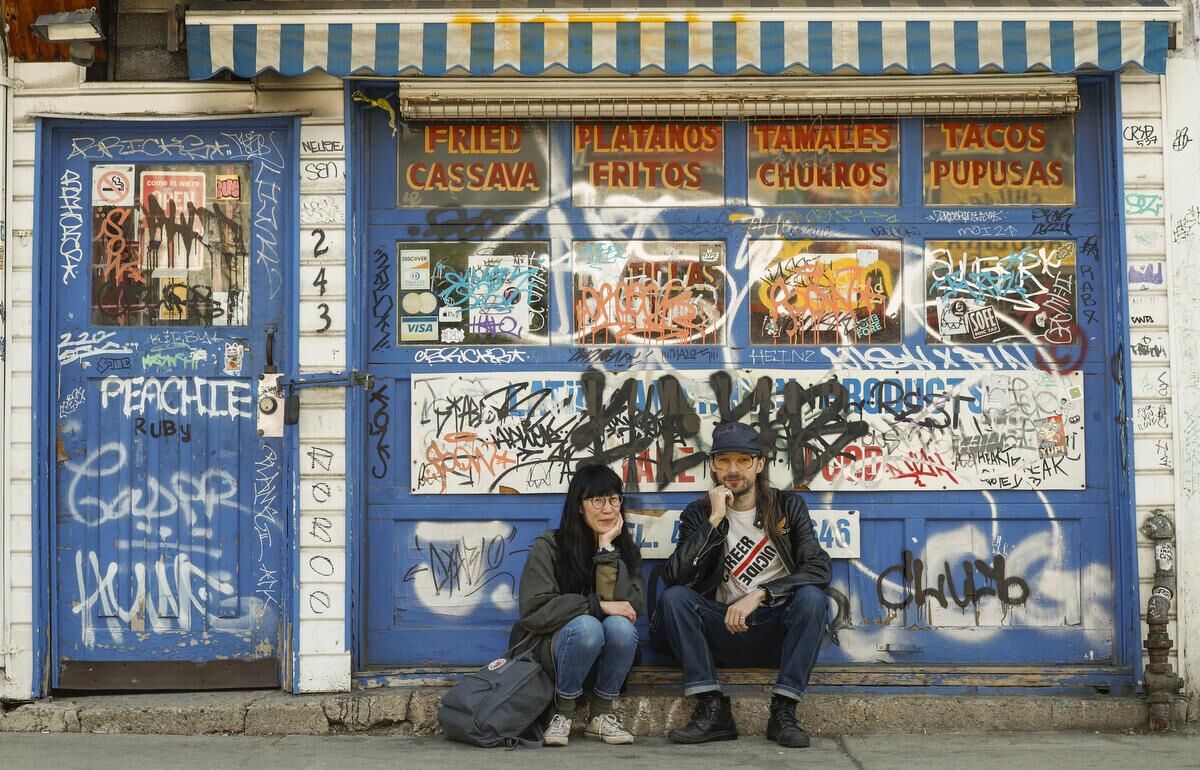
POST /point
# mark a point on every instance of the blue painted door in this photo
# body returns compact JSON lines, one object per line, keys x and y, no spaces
{"x":166,"y":253}
{"x":988,"y":536}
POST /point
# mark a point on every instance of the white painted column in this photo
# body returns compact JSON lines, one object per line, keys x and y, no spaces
{"x":1182,"y":156}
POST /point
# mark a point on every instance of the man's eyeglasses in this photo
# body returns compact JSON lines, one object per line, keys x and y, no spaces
{"x":726,"y":461}
{"x":600,"y":502}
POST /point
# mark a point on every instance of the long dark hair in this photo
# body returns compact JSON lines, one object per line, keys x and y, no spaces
{"x":576,"y":542}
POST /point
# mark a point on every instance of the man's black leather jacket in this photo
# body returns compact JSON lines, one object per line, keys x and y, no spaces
{"x":698,"y":560}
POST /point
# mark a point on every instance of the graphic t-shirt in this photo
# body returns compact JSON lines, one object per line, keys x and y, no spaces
{"x":750,"y":559}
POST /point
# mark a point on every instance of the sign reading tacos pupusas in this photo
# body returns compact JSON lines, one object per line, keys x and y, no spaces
{"x":824,"y":164}
{"x":1000,"y":162}
{"x":648,"y":164}
{"x":461,"y":164}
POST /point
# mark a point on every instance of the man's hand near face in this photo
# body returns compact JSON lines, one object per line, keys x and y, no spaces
{"x":720,"y":497}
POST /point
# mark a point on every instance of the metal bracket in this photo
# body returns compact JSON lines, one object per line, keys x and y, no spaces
{"x":350,"y":379}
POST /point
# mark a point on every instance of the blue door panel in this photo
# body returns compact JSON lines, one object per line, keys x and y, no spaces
{"x":170,"y":507}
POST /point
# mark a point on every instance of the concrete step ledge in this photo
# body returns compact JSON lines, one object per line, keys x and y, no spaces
{"x":650,"y":712}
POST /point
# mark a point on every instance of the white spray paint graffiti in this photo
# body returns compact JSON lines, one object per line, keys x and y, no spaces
{"x":90,"y":345}
{"x":70,"y":223}
{"x":179,"y":396}
{"x":71,"y":402}
{"x":163,"y":597}
{"x":266,"y":520}
{"x":198,"y":497}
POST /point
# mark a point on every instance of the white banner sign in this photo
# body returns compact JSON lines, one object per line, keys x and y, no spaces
{"x":658,"y":532}
{"x":844,"y":430}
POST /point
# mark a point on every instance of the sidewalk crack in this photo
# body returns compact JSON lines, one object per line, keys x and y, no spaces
{"x":841,"y":742}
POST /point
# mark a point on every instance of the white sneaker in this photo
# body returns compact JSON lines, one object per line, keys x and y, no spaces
{"x":558,"y":732}
{"x":607,"y":728}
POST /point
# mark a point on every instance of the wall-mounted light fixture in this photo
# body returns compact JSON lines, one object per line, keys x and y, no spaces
{"x":79,"y":28}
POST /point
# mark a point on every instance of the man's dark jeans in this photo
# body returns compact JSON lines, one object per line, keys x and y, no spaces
{"x":787,"y":636}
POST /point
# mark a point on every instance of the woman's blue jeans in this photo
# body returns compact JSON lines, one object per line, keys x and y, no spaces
{"x":586,"y":642}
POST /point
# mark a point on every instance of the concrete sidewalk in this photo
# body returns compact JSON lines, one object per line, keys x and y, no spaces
{"x":994,"y":751}
{"x":649,"y":712}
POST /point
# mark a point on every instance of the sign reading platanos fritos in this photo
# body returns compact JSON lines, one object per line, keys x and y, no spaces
{"x":648,"y":164}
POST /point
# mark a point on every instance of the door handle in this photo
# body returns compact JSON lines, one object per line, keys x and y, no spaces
{"x":269,"y":367}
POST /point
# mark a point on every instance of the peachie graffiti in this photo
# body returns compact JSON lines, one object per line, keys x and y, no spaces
{"x":476,"y":434}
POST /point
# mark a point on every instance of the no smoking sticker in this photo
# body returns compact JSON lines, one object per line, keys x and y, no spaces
{"x":112,"y":186}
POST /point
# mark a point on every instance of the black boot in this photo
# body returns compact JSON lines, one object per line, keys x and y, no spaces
{"x":782,"y":726}
{"x":711,"y":721}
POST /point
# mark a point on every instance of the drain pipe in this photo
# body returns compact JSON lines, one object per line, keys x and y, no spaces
{"x":1162,"y":683}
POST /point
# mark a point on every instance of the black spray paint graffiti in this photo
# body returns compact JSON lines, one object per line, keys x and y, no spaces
{"x":455,"y":224}
{"x":381,"y":418}
{"x":466,"y":566}
{"x":647,"y":433}
{"x":675,"y":422}
{"x":382,"y":304}
{"x":1011,"y":590}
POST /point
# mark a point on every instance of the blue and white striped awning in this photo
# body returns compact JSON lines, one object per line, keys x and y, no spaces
{"x":660,"y":37}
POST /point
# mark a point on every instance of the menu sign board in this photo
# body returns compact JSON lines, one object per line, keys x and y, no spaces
{"x":824,"y":164}
{"x":648,"y":164}
{"x":1027,"y":162}
{"x":462,"y":164}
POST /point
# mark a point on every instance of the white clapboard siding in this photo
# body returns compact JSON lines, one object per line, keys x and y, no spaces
{"x":1181,"y":141}
{"x":324,"y":649}
{"x":1146,"y":140}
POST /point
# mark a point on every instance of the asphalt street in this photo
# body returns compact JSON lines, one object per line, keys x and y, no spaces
{"x":1001,"y":751}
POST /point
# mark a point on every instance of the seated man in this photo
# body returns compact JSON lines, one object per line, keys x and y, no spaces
{"x":746,"y":588}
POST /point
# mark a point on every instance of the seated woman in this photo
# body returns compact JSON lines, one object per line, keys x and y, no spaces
{"x":581,"y":593}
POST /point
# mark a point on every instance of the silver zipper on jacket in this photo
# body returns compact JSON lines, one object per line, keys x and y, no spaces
{"x":705,"y":547}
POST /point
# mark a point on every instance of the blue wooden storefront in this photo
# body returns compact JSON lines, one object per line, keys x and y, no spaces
{"x":1027,"y":579}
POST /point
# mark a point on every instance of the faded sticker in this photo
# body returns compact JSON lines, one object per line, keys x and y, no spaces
{"x":235,"y":351}
{"x":112,"y":185}
{"x":414,"y":268}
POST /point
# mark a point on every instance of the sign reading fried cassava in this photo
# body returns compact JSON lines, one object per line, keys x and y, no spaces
{"x":1000,"y":162}
{"x":824,"y":164}
{"x":460,"y":164}
{"x":648,"y":164}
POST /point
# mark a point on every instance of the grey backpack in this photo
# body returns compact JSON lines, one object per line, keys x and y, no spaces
{"x":501,"y":704}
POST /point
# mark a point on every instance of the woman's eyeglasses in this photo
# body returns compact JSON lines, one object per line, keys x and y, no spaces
{"x":725,"y":461}
{"x":600,"y":502}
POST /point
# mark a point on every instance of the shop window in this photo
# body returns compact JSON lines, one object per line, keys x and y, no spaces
{"x":473,"y":293}
{"x":997,"y":292}
{"x":1000,"y":162}
{"x":170,"y":245}
{"x":649,"y":292}
{"x":825,"y":292}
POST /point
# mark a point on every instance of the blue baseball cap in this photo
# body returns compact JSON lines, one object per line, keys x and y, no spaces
{"x":735,"y":437}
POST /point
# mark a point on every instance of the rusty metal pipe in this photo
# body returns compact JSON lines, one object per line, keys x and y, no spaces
{"x":1161,"y":682}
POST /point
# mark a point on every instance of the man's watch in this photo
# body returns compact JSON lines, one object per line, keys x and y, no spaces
{"x":766,"y":596}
